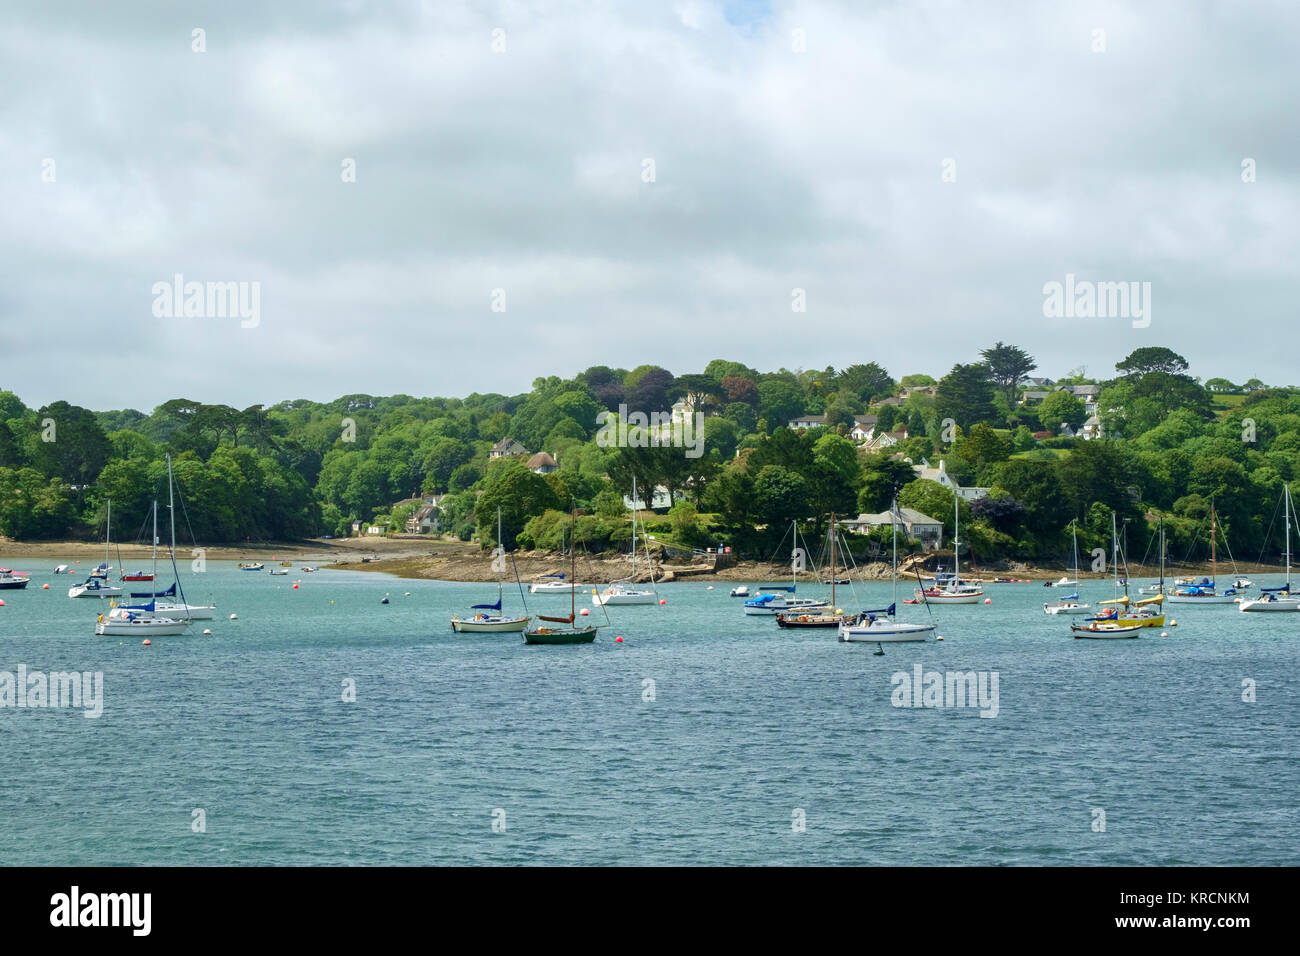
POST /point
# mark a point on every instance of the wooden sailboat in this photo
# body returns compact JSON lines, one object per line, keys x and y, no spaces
{"x":492,"y":623}
{"x":830,"y":616}
{"x":571,"y":632}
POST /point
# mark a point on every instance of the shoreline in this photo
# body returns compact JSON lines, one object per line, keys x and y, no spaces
{"x":459,"y":561}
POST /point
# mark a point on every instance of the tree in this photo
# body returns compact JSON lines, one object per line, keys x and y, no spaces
{"x":1008,"y":366}
{"x":779,"y":401}
{"x":982,"y":446}
{"x":882,"y":479}
{"x":780,"y":495}
{"x":79,"y":449}
{"x":737,"y":388}
{"x":1152,"y":358}
{"x":966,"y":395}
{"x":867,"y":382}
{"x":1062,"y":407}
{"x":520,"y":494}
{"x":650,"y":394}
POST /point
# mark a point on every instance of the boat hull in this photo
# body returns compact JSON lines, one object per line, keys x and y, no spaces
{"x":886,"y":632}
{"x":625,"y":597}
{"x":1280,"y":605}
{"x":972,"y":598}
{"x":1106,"y":633}
{"x":489,"y":625}
{"x":1191,"y":600}
{"x":786,"y":619}
{"x":547,"y":635}
{"x":769,"y":610}
{"x":82,"y":591}
{"x":142,"y":627}
{"x":1067,"y":609}
{"x":15,"y":585}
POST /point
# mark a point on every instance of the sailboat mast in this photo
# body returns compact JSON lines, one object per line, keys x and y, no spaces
{"x":108,"y":533}
{"x":956,"y":543}
{"x":893,"y":524}
{"x":832,"y":540}
{"x":155,"y":540}
{"x":1213,"y":535}
{"x":1114,"y":547}
{"x":1287,"y":506}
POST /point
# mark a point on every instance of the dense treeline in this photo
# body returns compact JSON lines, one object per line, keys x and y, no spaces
{"x":1171,"y":446}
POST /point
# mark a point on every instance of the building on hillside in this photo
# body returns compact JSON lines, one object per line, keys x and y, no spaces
{"x":864,"y":427}
{"x":1033,"y":396}
{"x":1091,"y":428}
{"x":941,"y":476}
{"x":808,"y":421}
{"x":659,"y":501}
{"x":507,"y":448}
{"x":426,"y":518}
{"x":916,"y":525}
{"x":542,"y":463}
{"x":886,"y":440}
{"x":1038,"y":382}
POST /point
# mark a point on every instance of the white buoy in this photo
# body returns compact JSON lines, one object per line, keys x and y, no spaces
{"x":234,"y":617}
{"x":207,"y":630}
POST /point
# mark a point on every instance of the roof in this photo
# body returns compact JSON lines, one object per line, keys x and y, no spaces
{"x":540,"y":460}
{"x":910,"y":517}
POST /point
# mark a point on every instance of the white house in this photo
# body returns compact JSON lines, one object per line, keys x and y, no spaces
{"x":506,"y":448}
{"x":916,"y":525}
{"x":864,"y":427}
{"x":940,"y":475}
{"x":808,"y":421}
{"x":658,"y":501}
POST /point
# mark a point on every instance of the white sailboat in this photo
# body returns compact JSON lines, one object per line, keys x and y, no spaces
{"x":1205,"y":591}
{"x":627,"y":592}
{"x":880,"y":626}
{"x":773,"y":599}
{"x":1071,"y":604}
{"x":97,"y":586}
{"x":490,"y":620}
{"x":955,"y":591}
{"x":146,"y":619}
{"x":1277,"y":599}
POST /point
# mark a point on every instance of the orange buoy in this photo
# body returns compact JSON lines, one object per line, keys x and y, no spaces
{"x":45,"y":587}
{"x":584,"y":612}
{"x":295,"y":587}
{"x":662,"y":601}
{"x":618,"y":640}
{"x":988,"y":600}
{"x":147,"y":642}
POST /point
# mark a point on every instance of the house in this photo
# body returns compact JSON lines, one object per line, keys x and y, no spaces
{"x":864,"y":427}
{"x":1091,"y":428}
{"x":374,"y":529}
{"x":1033,"y":397}
{"x":356,"y":527}
{"x":886,"y":440}
{"x":507,"y":448}
{"x":808,"y":421}
{"x":917,"y":525}
{"x":941,"y":476}
{"x":1037,"y":382}
{"x":1088,"y":394}
{"x":931,"y":390}
{"x":426,"y":518}
{"x":891,"y":400}
{"x":542,"y":463}
{"x":659,"y":501}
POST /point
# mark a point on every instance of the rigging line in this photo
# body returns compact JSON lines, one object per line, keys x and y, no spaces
{"x":1269,"y":533}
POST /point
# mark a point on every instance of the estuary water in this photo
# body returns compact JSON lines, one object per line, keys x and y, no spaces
{"x":704,"y":737}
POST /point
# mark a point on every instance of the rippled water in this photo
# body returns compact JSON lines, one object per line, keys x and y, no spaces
{"x":748,"y":724}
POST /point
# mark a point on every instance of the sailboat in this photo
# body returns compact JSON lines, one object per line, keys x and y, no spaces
{"x":97,"y":586}
{"x":626,"y":592}
{"x":774,"y":598}
{"x":881,"y":626}
{"x":144,"y":619}
{"x":1123,"y":611}
{"x":1071,"y":604}
{"x":830,"y":616}
{"x":571,"y":633}
{"x":1205,"y":591}
{"x":955,"y":590}
{"x":169,"y":607}
{"x":1277,"y":599}
{"x":493,"y":623}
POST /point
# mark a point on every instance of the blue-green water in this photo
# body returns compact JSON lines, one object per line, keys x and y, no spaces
{"x":748,"y":724}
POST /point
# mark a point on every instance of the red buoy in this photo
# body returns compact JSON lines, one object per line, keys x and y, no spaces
{"x":147,"y":642}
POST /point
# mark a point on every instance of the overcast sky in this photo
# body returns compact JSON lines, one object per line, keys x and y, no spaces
{"x":523,"y":170}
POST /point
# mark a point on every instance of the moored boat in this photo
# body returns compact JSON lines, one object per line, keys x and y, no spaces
{"x":12,"y":580}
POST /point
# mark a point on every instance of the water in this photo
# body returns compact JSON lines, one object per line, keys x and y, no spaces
{"x":749,"y":724}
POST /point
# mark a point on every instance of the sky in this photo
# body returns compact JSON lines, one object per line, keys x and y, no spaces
{"x":542,"y":187}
